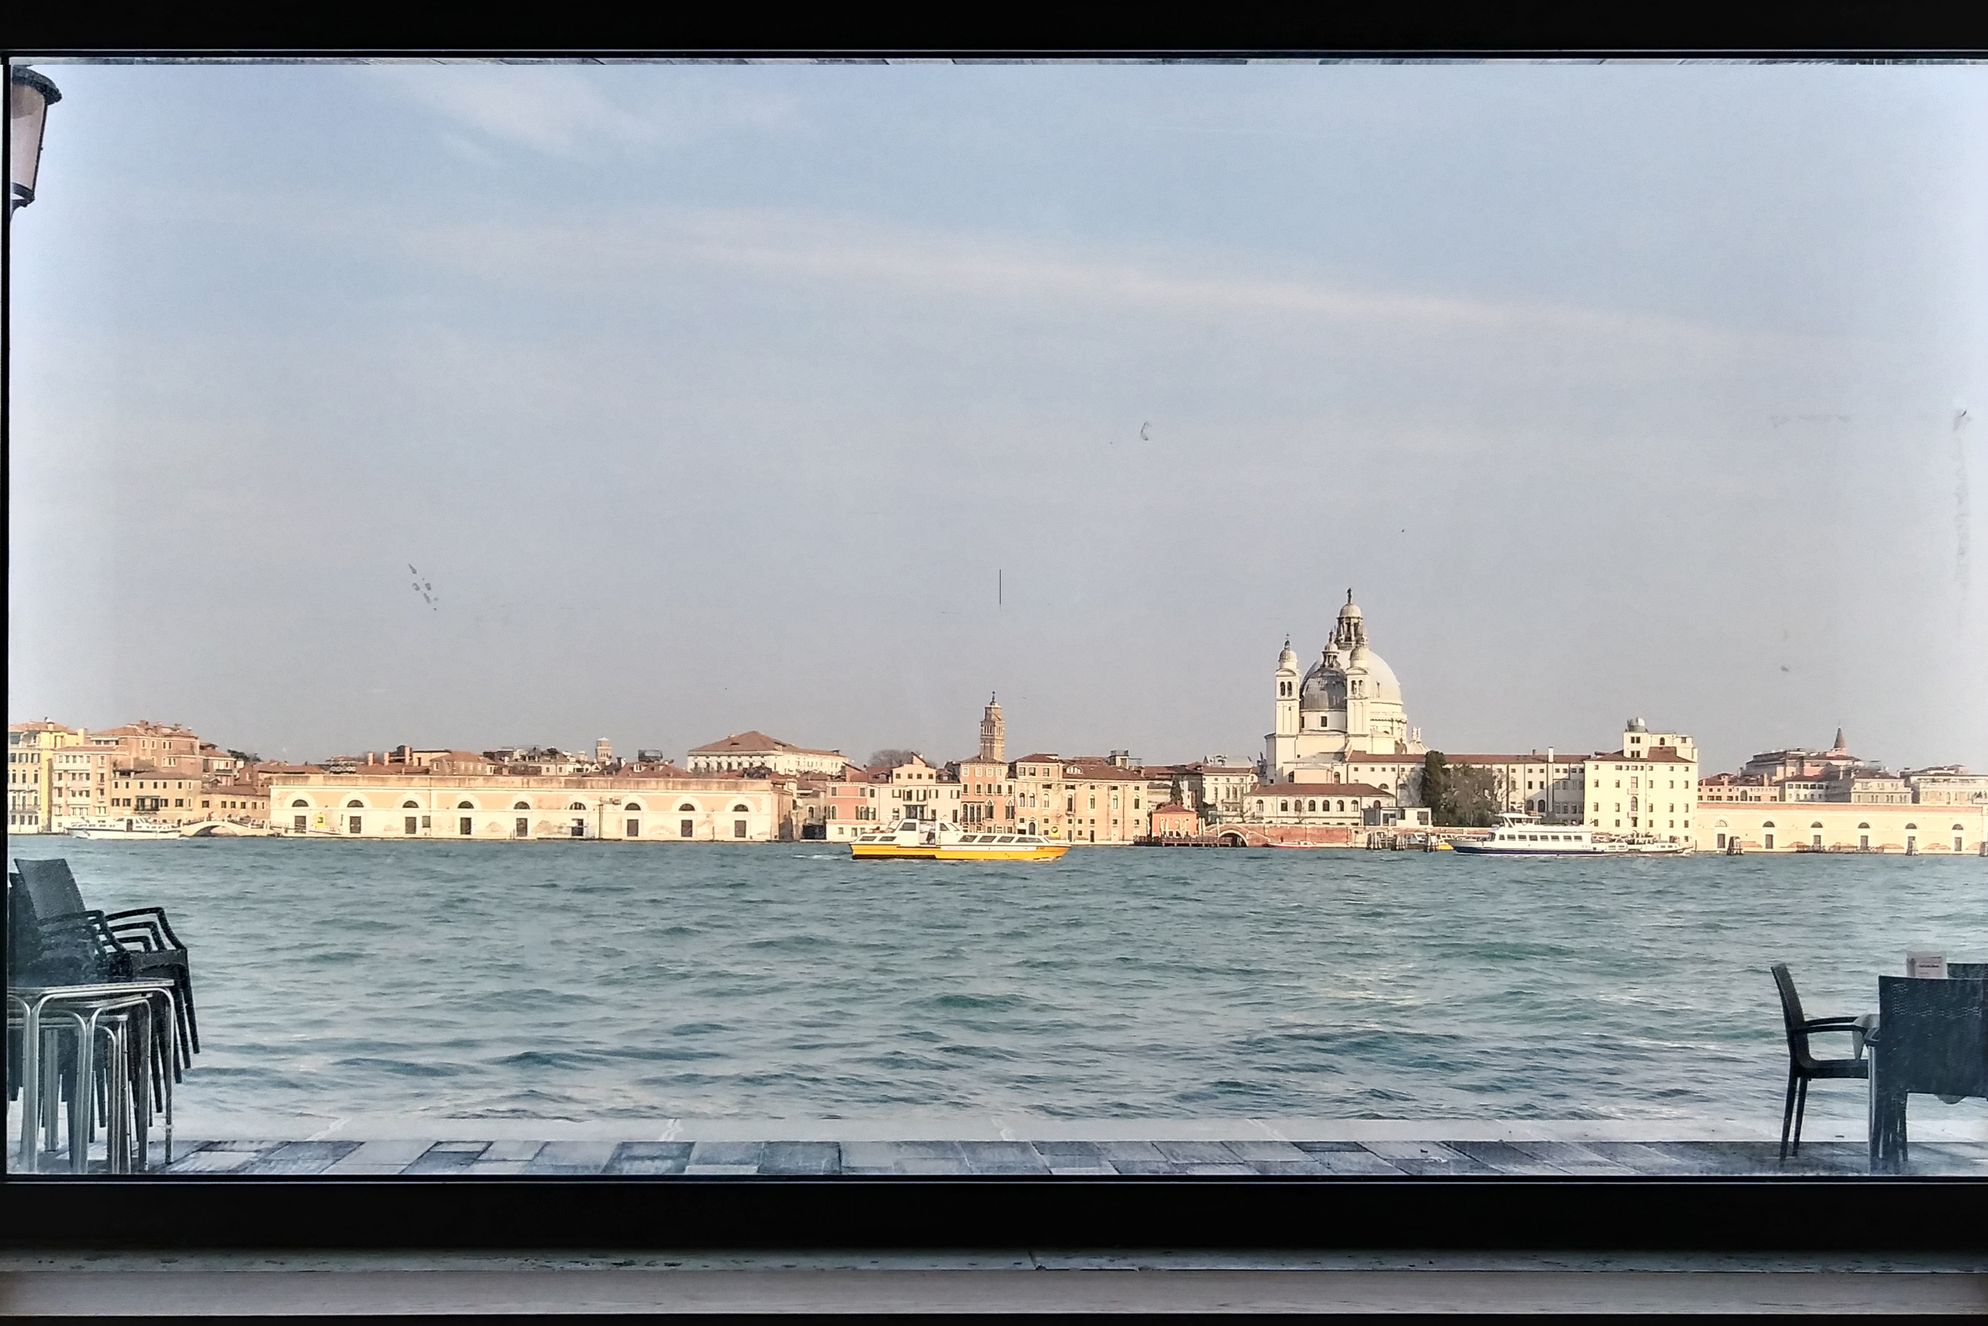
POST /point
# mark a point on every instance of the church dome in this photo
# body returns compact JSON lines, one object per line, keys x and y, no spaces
{"x":1381,"y":681}
{"x":1324,"y":688}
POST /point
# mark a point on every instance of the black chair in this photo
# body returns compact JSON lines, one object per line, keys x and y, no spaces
{"x":1931,"y":1039}
{"x":145,"y":937}
{"x":1803,"y":1067}
{"x":78,"y":949}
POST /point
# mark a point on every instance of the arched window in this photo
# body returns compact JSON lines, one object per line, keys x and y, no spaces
{"x":1342,"y":805}
{"x":1866,"y":824}
{"x":1910,"y":827}
{"x":465,"y":805}
{"x":633,"y":807}
{"x":577,"y":805}
{"x":741,"y":809}
{"x":522,"y":805}
{"x":1312,"y":805}
{"x":1960,"y":828}
{"x":409,"y":805}
{"x":300,"y":804}
{"x":1816,"y":825}
{"x":1767,"y":824}
{"x":685,"y":807}
{"x":355,"y":804}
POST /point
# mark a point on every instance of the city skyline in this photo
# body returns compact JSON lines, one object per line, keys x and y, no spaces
{"x":708,"y":399}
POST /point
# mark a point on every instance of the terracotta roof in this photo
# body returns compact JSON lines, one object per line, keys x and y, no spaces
{"x":1319,"y":790}
{"x":1093,"y":773}
{"x":1039,"y":758}
{"x":236,"y":790}
{"x":1659,"y":755}
{"x":1172,"y":808}
{"x":753,"y":742}
{"x":1236,"y":770}
{"x":42,"y":725}
{"x":975,"y":759}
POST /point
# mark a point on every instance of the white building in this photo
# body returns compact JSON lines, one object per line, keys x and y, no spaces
{"x":1347,"y":703}
{"x":755,"y":750}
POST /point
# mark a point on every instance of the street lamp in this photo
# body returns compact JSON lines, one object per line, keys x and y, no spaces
{"x":29,"y":95}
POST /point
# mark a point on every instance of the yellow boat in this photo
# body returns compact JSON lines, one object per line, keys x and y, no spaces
{"x":940,"y":840}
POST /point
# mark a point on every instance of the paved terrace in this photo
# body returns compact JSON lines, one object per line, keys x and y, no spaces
{"x":1953,"y":1145}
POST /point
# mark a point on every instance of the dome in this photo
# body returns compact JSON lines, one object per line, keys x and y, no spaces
{"x":1381,"y":681}
{"x":1324,"y":688}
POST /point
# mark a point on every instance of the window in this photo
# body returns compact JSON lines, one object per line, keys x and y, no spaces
{"x":738,"y":828}
{"x":464,"y":827}
{"x":686,"y":829}
{"x":408,"y":825}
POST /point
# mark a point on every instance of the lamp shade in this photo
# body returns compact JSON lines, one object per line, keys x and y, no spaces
{"x":29,"y":96}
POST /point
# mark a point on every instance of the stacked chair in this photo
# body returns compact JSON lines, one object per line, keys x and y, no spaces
{"x":56,"y":940}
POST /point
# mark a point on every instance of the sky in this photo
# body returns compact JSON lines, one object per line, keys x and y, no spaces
{"x":828,"y":400}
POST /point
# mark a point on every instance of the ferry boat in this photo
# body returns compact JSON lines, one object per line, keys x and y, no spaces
{"x":128,"y":827}
{"x":941,"y":840}
{"x":1525,"y":835}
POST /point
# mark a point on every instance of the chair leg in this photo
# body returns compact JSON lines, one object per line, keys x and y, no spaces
{"x":186,"y":1002}
{"x":1788,"y":1108}
{"x":1801,"y":1103}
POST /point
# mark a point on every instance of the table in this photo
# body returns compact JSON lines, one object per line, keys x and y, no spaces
{"x":88,"y":1004}
{"x":1929,"y":1038}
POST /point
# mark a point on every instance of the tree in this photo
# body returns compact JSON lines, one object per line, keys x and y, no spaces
{"x":1436,"y":786}
{"x":1473,"y":798}
{"x":1458,"y":796}
{"x":890,"y":757}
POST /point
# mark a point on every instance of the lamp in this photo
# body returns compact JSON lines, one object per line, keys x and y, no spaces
{"x":29,"y":95}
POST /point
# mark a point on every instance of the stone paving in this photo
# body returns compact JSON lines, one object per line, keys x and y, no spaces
{"x":1242,"y":1158}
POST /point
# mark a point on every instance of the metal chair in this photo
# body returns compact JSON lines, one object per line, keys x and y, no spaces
{"x":143,"y":932}
{"x":1804,"y":1067}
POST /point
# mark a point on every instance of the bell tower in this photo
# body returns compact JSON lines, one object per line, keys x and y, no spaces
{"x":993,"y":733}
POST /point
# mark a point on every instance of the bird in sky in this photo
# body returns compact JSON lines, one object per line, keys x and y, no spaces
{"x":1143,"y":431}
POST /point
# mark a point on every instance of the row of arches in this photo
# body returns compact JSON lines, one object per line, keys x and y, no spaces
{"x":626,"y":807}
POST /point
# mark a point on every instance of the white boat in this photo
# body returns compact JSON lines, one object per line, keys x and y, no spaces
{"x":128,"y":827}
{"x":941,"y":840}
{"x":1526,"y":835}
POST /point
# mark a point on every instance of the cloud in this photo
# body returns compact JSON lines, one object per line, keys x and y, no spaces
{"x":620,"y":253}
{"x":568,"y":111}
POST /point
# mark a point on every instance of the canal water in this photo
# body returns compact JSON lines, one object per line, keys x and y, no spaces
{"x":584,"y":981}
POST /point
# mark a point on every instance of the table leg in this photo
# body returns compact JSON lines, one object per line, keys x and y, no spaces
{"x":30,"y":1087}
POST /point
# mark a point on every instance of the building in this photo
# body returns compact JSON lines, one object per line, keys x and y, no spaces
{"x":1103,"y":801}
{"x":1948,"y":785}
{"x":987,"y":791}
{"x":1174,"y":820}
{"x":1216,"y":789}
{"x":81,"y":785}
{"x":1837,"y":826}
{"x":1647,"y":789}
{"x":237,"y":803}
{"x":1318,"y":805}
{"x":1775,"y":766}
{"x":171,"y":796}
{"x":1544,"y":783}
{"x":1735,"y":787}
{"x":751,"y":751}
{"x":31,"y":749}
{"x":387,"y":801}
{"x":159,"y":746}
{"x":1347,"y":703}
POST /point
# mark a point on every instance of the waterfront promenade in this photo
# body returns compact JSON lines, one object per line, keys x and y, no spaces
{"x":971,"y":1145}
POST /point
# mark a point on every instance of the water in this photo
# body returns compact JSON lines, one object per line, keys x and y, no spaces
{"x":594,"y":981}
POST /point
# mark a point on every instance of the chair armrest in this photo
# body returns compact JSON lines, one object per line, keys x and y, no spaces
{"x":157,"y":914}
{"x":145,"y":930}
{"x":1817,"y":1024}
